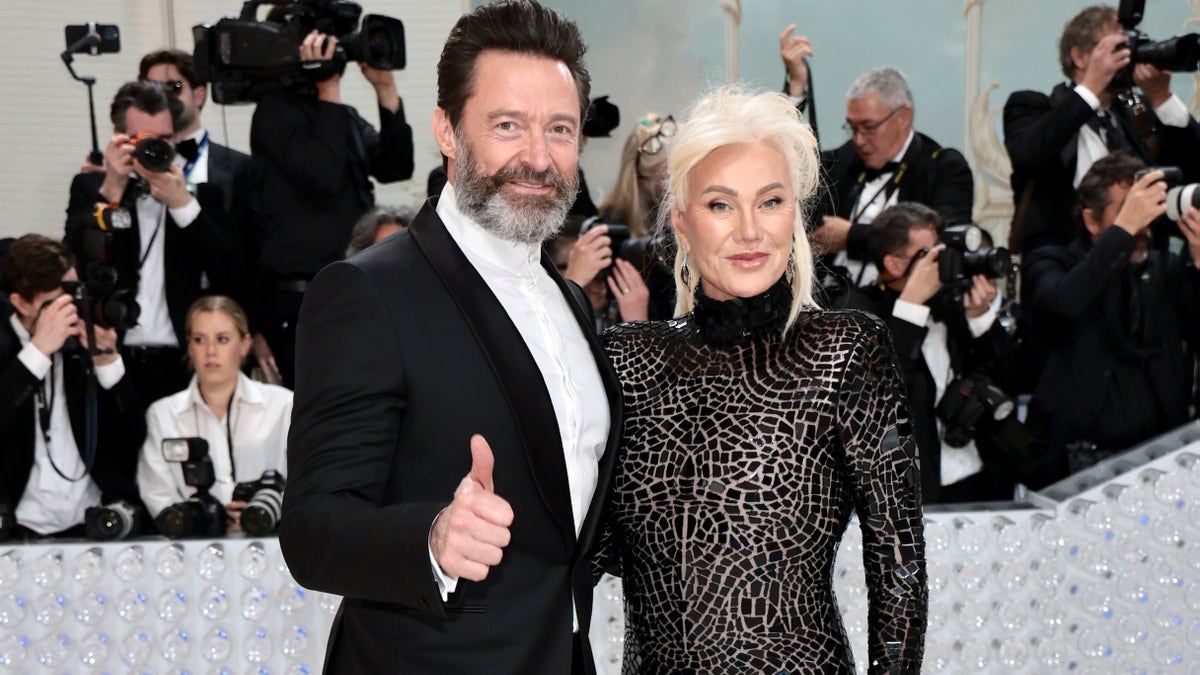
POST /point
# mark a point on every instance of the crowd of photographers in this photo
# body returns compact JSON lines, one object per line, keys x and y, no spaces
{"x":125,"y":401}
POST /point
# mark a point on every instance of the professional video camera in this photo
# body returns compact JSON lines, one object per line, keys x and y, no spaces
{"x":964,"y":257}
{"x":201,"y":515}
{"x":115,"y":520}
{"x":966,"y":401}
{"x":1180,"y":54}
{"x":264,"y":503}
{"x":239,"y":55}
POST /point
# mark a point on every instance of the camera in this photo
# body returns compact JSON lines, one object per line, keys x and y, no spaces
{"x":264,"y":503}
{"x":968,"y":401}
{"x":1179,"y":197}
{"x":104,"y":305}
{"x":965,"y":256}
{"x":201,"y":515}
{"x":239,"y":55}
{"x":641,"y":252}
{"x":1180,"y":54}
{"x":153,"y":152}
{"x":115,"y":520}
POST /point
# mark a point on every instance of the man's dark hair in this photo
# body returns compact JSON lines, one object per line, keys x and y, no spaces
{"x":888,"y":233}
{"x":516,"y":26}
{"x":35,"y":263}
{"x":171,"y":57}
{"x":1081,"y":32}
{"x":1114,"y":168}
{"x":149,"y":97}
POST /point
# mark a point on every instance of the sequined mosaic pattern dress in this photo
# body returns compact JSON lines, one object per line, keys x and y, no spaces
{"x":745,"y":453}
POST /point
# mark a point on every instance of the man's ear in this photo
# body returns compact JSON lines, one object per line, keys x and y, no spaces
{"x":1079,"y":58}
{"x":443,"y":133}
{"x":894,"y":265}
{"x":200,"y":91}
{"x":21,"y":305}
{"x":1093,"y":223}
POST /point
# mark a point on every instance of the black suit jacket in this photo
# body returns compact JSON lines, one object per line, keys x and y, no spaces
{"x":1041,"y":134}
{"x":1092,"y":388}
{"x":121,"y":423}
{"x":989,"y":354}
{"x":232,"y":172}
{"x":199,"y":259}
{"x":403,"y":354}
{"x":932,"y":175}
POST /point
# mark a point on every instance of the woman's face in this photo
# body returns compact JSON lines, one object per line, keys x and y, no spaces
{"x":738,"y":225}
{"x":216,"y":348}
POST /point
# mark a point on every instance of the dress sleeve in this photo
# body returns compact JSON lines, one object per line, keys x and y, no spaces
{"x":876,"y":432}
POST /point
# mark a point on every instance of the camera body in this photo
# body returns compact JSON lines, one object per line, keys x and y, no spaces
{"x":118,"y":519}
{"x":1180,"y":54}
{"x":968,"y":402}
{"x":1179,"y":196}
{"x":103,"y":304}
{"x":965,"y":256}
{"x":264,"y":503}
{"x":239,"y":55}
{"x":200,"y":515}
{"x":153,"y":152}
{"x":641,"y":252}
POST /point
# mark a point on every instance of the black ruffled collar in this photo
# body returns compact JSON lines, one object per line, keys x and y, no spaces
{"x":726,"y":323}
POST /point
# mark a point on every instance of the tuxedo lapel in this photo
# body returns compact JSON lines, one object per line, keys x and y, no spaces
{"x":510,"y":360}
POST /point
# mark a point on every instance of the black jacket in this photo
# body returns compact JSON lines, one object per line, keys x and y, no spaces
{"x":122,"y":427}
{"x":403,"y":353}
{"x":1041,"y":134}
{"x":1102,"y":382}
{"x":202,"y":258}
{"x":989,"y":354}
{"x":930,"y":174}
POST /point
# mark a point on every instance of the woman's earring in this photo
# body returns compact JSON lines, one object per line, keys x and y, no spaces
{"x":790,"y":272}
{"x":685,"y":275}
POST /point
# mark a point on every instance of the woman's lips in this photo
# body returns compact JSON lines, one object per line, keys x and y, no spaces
{"x":749,"y":260}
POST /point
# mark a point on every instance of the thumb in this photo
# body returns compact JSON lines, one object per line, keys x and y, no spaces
{"x":482,"y":463}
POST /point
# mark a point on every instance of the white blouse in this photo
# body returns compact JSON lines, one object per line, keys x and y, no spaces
{"x":258,"y":426}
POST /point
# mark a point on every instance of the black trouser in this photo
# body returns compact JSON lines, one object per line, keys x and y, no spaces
{"x":578,"y":655}
{"x":278,"y":306}
{"x":156,"y":372}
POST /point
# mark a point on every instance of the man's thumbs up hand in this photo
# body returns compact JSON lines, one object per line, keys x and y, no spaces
{"x":469,"y":536}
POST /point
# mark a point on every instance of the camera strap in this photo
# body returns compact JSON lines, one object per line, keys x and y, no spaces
{"x":228,"y":429}
{"x":45,"y":406}
{"x":162,"y":216}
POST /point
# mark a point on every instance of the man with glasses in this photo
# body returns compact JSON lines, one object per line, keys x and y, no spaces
{"x":168,"y":240}
{"x":885,"y":161}
{"x":944,"y":337}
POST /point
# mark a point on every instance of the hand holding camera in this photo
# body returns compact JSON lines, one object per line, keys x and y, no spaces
{"x":316,"y":53}
{"x":106,"y":345}
{"x":1146,"y":201}
{"x":57,"y":321}
{"x":1110,"y":55}
{"x":168,"y":187}
{"x":924,"y":281}
{"x":979,"y":297}
{"x":590,"y":254}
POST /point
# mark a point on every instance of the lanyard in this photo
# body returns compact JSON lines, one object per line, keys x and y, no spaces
{"x":228,"y":431}
{"x":187,"y":168}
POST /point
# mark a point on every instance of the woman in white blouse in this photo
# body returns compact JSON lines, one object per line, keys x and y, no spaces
{"x":245,"y":422}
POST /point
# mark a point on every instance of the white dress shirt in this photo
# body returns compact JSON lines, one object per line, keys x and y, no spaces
{"x":1091,"y":147}
{"x":545,"y":321}
{"x":50,"y":502}
{"x":872,"y":199}
{"x":957,"y":463}
{"x":258,"y":425}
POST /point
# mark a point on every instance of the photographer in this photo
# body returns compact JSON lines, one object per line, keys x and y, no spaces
{"x":44,"y":464}
{"x":315,"y":157}
{"x":245,"y":422}
{"x":177,"y":245}
{"x":885,"y":161}
{"x":1114,"y":313}
{"x":940,"y":341}
{"x":1053,"y":140}
{"x":614,"y":287}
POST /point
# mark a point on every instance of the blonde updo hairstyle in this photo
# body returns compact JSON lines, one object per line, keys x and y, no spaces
{"x":733,"y":115}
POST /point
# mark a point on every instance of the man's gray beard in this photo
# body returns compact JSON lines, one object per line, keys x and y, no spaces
{"x":524,"y":219}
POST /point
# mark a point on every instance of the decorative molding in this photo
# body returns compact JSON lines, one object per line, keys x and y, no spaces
{"x":733,"y":21}
{"x":985,"y":152}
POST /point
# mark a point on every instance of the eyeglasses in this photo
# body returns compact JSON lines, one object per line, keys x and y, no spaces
{"x":654,"y":144}
{"x":868,"y":128}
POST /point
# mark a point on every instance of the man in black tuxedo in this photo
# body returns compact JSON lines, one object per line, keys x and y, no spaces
{"x":942,"y":339}
{"x":46,"y":475}
{"x":884,"y":162}
{"x":456,"y":420}
{"x":203,"y":160}
{"x":1114,"y":313}
{"x":178,"y":245}
{"x":1053,"y":140}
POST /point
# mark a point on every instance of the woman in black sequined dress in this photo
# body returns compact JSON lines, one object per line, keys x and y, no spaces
{"x":754,"y":425}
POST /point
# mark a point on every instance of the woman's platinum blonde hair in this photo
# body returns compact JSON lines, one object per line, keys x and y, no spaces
{"x":733,"y":115}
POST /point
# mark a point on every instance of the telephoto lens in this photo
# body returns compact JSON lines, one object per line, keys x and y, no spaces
{"x":115,"y":520}
{"x":264,"y":503}
{"x":154,"y":153}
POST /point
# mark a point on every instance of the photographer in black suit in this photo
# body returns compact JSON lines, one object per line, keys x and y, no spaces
{"x":178,"y":245}
{"x":1053,"y":140}
{"x":1114,"y":313}
{"x":44,"y":473}
{"x":884,"y":162}
{"x":943,"y":342}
